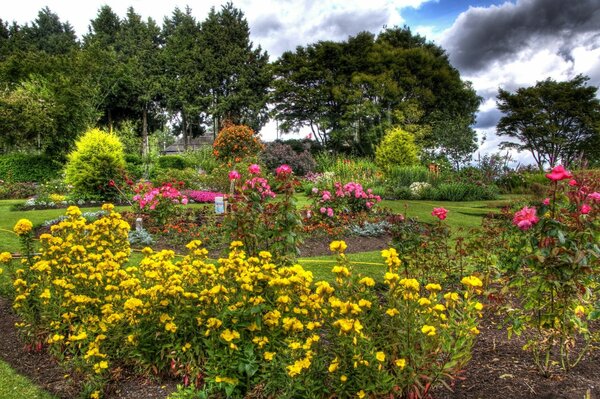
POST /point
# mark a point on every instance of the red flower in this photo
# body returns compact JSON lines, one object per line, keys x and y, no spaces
{"x":585,"y":209}
{"x":525,"y":218}
{"x":234,"y":175}
{"x":440,"y":213}
{"x":111,"y":183}
{"x":559,"y":173}
{"x":283,"y":170}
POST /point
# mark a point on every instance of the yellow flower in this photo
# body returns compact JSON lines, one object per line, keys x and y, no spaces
{"x":46,"y":294}
{"x":133,"y":304}
{"x":5,"y":257}
{"x":73,"y":211}
{"x":400,"y":363}
{"x":428,"y":330}
{"x":368,"y":281}
{"x":23,"y":227}
{"x":472,"y":281}
{"x":341,"y":271}
{"x":226,"y":380}
{"x":474,"y":331}
{"x":338,"y":246}
{"x":343,"y":378}
{"x":98,"y":367}
{"x":433,"y":287}
{"x":361,"y":394}
{"x":95,"y":395}
{"x":235,"y":244}
{"x":269,"y":356}
{"x":229,"y":335}
{"x":579,"y":311}
{"x":479,"y":306}
{"x":170,"y":326}
{"x":380,"y":356}
{"x":392,"y":312}
{"x":410,"y":283}
{"x":424,"y":302}
{"x":334,"y":365}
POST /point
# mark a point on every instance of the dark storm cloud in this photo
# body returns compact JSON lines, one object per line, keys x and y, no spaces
{"x":488,"y":119}
{"x":344,"y":24}
{"x":266,"y":25}
{"x":483,"y":35}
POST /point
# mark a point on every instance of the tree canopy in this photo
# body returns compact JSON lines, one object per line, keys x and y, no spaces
{"x":557,"y":122}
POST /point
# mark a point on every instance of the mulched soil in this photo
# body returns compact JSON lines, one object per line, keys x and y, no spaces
{"x":499,"y":368}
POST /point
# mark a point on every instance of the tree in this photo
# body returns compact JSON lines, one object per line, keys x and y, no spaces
{"x":349,"y":92}
{"x":183,"y":73}
{"x":237,"y":76}
{"x":555,"y":121}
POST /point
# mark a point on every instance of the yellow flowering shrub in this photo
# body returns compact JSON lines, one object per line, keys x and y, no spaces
{"x":240,"y":324}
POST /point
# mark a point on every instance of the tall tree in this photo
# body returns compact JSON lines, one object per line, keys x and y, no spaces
{"x":183,"y":73}
{"x":554,"y":121}
{"x":236,"y":75}
{"x":48,"y":34}
{"x":139,"y":47}
{"x":361,"y":84}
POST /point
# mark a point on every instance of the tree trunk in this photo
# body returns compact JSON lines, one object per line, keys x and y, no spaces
{"x":145,"y":145}
{"x":184,"y":130}
{"x":110,"y":121}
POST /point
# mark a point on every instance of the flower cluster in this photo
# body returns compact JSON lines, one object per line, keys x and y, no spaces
{"x":525,"y":218}
{"x":236,"y":142}
{"x":440,"y":213}
{"x":202,"y":197}
{"x":241,"y":323}
{"x":159,"y":202}
{"x":347,"y":198}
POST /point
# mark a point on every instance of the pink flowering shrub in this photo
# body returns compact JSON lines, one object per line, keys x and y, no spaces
{"x":555,"y":261}
{"x":349,"y":198}
{"x":159,"y":203}
{"x":202,"y":197}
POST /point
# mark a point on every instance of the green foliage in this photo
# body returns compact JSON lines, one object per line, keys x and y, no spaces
{"x":20,"y":190}
{"x":397,"y":148}
{"x":404,"y":176}
{"x":187,"y":178}
{"x":19,"y":167}
{"x":459,"y":191}
{"x":172,"y":162}
{"x":344,"y":168}
{"x":201,"y":158}
{"x":97,"y":159}
{"x":555,"y":121}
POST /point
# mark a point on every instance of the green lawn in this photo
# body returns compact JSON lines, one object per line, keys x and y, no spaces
{"x":15,"y":386}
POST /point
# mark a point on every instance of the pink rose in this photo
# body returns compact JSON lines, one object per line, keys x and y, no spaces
{"x":440,"y":213}
{"x":315,"y":190}
{"x":308,"y":214}
{"x":254,"y":169}
{"x":326,"y":196}
{"x":546,"y":201}
{"x":283,"y":170}
{"x":595,"y":196}
{"x":322,"y":210}
{"x":330,"y":212}
{"x":585,"y":209}
{"x":234,"y":175}
{"x":559,"y":173}
{"x":184,"y":201}
{"x":525,"y":218}
{"x":572,"y":182}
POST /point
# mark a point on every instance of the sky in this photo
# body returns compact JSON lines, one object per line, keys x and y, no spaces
{"x":493,"y":43}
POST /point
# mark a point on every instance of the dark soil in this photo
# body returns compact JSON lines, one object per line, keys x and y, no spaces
{"x":499,"y":368}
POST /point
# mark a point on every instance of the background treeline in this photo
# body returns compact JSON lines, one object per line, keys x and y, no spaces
{"x":152,"y":82}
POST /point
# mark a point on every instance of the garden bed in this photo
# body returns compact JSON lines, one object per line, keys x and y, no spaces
{"x":499,"y":369}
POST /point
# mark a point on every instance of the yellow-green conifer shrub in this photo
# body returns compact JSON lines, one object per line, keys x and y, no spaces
{"x":397,"y":148}
{"x":97,"y":160}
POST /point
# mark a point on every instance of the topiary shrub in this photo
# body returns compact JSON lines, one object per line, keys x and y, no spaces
{"x":172,"y":162}
{"x":28,"y":168}
{"x":277,"y":153}
{"x":397,"y":148}
{"x":97,"y":161}
{"x":236,"y":142}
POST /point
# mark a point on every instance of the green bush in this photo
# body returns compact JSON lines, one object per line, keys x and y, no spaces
{"x":134,"y":164}
{"x":28,"y":168}
{"x":97,"y":160}
{"x":460,"y":192}
{"x":397,"y":148}
{"x":201,"y":158}
{"x":172,"y":162}
{"x":19,"y":190}
{"x":404,"y":176}
{"x":187,"y":178}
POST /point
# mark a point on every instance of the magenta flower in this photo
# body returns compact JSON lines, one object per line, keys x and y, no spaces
{"x":330,"y":212}
{"x":254,"y":169}
{"x":234,"y":175}
{"x":559,"y":173}
{"x":283,"y":170}
{"x":585,"y":209}
{"x":595,"y":196}
{"x":546,"y":201}
{"x":326,"y":196}
{"x":525,"y":218}
{"x":440,"y":213}
{"x":572,"y":182}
